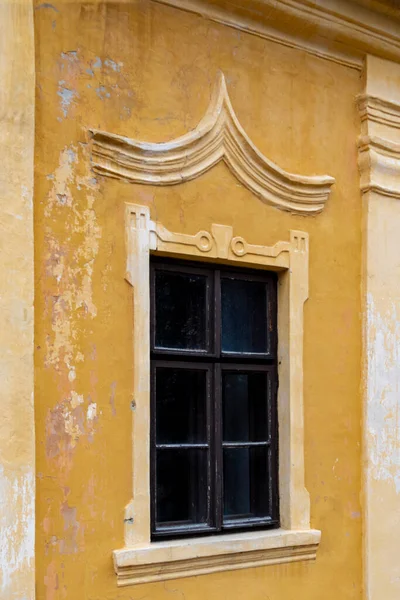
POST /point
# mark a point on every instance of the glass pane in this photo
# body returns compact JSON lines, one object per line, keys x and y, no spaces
{"x":180,"y":306}
{"x":181,"y":405}
{"x":244,"y":406}
{"x":246,"y":483}
{"x":181,"y":485}
{"x":244,"y":316}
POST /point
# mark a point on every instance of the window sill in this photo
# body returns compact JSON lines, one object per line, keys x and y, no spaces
{"x":159,"y":561}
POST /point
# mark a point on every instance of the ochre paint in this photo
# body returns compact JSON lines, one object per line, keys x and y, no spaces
{"x":146,"y":71}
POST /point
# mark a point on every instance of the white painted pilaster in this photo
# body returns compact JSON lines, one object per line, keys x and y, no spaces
{"x":379,"y":160}
{"x":17,"y":426}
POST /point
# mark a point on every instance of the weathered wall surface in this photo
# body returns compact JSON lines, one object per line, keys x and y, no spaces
{"x":17,"y":445}
{"x":147,"y":71}
{"x":382,"y":338}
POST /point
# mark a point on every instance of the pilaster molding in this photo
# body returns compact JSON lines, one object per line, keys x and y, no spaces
{"x":218,"y":136}
{"x":373,"y":109}
{"x":379,"y":145}
{"x":17,"y":423}
{"x":379,"y":162}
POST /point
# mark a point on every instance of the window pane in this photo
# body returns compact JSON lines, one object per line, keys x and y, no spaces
{"x":181,"y":405}
{"x":181,"y":485}
{"x":181,"y":312}
{"x":244,"y":406}
{"x":244,"y":316}
{"x":245,"y":483}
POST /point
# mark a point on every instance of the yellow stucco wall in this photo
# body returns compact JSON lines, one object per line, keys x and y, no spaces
{"x":146,"y":71}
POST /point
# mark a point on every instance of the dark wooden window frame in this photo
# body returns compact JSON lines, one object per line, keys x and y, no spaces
{"x":214,"y":362}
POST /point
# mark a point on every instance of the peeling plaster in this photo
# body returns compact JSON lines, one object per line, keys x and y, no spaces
{"x":73,"y":540}
{"x":97,"y":63}
{"x":92,"y":411}
{"x":113,"y":65}
{"x":63,"y":177}
{"x":69,"y":269}
{"x":17,"y":531}
{"x":103,"y":77}
{"x":112,"y":398}
{"x":69,"y":65}
{"x":66,"y":95}
{"x":102,"y":92}
{"x":71,"y":265}
{"x":51,"y":581}
{"x":67,"y":422}
{"x":64,"y":426}
{"x":383,"y":380}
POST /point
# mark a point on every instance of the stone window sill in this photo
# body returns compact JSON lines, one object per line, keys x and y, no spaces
{"x":184,"y":558}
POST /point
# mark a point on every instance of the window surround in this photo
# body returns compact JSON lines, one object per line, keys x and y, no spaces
{"x":143,"y":561}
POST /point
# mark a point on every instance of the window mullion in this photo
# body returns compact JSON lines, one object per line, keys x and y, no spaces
{"x":217,"y":404}
{"x":217,"y":313}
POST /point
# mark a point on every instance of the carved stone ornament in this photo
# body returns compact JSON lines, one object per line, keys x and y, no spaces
{"x":142,"y":560}
{"x":378,"y":146}
{"x":218,"y":136}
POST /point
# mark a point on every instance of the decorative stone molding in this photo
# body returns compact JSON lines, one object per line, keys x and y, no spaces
{"x":169,"y":560}
{"x":218,"y":136}
{"x":343,"y":32}
{"x":379,"y":145}
{"x":379,"y":161}
{"x":378,"y":110}
{"x":142,"y":560}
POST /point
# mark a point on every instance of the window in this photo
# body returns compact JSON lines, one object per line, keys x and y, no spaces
{"x":214,"y":438}
{"x":143,"y":559}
